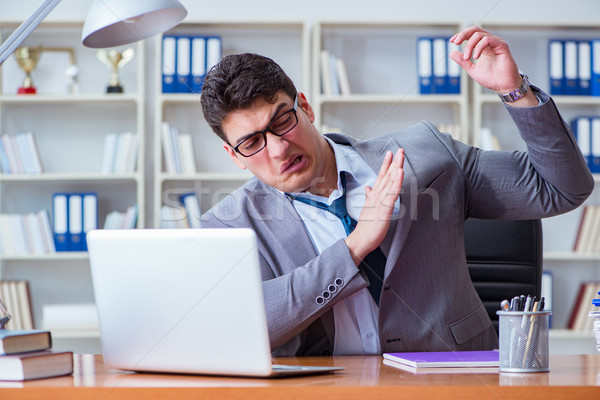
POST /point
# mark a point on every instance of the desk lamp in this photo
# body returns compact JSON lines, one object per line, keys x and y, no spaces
{"x":109,"y":23}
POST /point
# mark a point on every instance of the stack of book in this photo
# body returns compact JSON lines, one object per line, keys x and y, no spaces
{"x":588,"y":233}
{"x":19,"y":154}
{"x":29,"y":233}
{"x":178,"y":150}
{"x":27,"y":354}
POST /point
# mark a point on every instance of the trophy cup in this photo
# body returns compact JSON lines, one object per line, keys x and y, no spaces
{"x":27,"y":57}
{"x":115,"y":60}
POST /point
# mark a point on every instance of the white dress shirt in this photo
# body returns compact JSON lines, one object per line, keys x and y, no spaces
{"x":356,"y":326}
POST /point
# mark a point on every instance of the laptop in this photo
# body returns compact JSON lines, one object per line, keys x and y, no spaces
{"x":183,"y":301}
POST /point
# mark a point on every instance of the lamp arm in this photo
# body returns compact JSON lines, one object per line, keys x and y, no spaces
{"x":25,"y":29}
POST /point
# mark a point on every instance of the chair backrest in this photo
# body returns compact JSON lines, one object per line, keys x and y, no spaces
{"x":504,"y":260}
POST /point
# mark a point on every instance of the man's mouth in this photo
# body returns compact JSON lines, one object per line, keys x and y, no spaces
{"x":290,"y":165}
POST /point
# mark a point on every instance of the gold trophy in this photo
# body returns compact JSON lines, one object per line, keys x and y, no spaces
{"x":115,"y":60}
{"x":27,"y":57}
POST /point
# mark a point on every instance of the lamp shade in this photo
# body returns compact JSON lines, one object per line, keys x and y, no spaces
{"x":116,"y":22}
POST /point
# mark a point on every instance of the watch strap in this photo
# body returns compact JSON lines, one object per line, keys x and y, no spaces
{"x":518,"y":92}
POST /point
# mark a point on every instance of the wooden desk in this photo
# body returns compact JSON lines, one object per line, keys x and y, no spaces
{"x":573,"y":377}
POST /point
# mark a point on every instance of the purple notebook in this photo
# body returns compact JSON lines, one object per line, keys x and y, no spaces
{"x":488,"y":358}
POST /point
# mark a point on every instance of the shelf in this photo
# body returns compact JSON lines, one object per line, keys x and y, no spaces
{"x":393,"y":98}
{"x":184,"y":98}
{"x":75,"y":334}
{"x":24,"y":100}
{"x":488,"y":98}
{"x":570,"y":334}
{"x":206,"y":176}
{"x":50,"y":176}
{"x":570,"y":256}
{"x":58,"y":256}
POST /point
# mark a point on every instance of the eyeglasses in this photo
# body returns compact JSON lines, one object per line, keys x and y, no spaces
{"x":278,"y":126}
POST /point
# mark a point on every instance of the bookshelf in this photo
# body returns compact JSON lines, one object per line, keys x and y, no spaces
{"x":529,"y":45}
{"x":285,"y":42}
{"x":70,"y":123}
{"x":381,"y":65}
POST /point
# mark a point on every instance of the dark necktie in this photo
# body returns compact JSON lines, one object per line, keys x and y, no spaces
{"x":373,"y":264}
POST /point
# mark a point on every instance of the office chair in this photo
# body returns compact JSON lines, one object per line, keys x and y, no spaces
{"x":504,"y":260}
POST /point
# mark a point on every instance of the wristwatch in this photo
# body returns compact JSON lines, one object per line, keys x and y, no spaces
{"x":518,"y":92}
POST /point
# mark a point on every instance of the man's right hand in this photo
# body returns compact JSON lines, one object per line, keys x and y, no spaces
{"x":375,"y":217}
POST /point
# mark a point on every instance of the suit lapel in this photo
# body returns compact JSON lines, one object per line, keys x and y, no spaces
{"x":373,"y":152}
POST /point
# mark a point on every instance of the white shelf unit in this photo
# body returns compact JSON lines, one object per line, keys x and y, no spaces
{"x":285,"y":42}
{"x":529,"y":46}
{"x":70,"y":128}
{"x":380,"y":58}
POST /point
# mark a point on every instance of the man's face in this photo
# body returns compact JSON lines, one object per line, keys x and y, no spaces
{"x":295,"y":162}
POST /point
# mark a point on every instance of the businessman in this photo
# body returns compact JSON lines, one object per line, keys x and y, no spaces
{"x":361,"y":242}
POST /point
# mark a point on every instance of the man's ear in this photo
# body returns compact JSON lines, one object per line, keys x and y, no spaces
{"x":233,"y":156}
{"x":305,"y":106}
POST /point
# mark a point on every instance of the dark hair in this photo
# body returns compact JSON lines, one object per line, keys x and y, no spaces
{"x":236,"y":81}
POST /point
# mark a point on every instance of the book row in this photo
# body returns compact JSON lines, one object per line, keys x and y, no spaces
{"x":186,"y":60}
{"x":120,"y":153}
{"x":574,"y":67}
{"x":16,"y":298}
{"x":587,"y":134}
{"x":19,"y":154}
{"x":579,"y":319}
{"x":178,"y":150}
{"x":186,"y":214}
{"x":334,"y":76}
{"x":436,"y":71}
{"x":29,"y":233}
{"x":122,"y":220}
{"x":587,"y":239}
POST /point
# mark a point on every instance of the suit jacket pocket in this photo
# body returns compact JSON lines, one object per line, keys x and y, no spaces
{"x":470,"y":325}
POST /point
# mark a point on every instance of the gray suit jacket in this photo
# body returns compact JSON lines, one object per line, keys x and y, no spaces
{"x":428,"y":301}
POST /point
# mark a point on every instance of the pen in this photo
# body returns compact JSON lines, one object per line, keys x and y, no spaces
{"x":532,"y":322}
{"x":504,"y":305}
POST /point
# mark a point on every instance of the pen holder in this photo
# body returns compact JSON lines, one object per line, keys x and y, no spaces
{"x":523,"y":341}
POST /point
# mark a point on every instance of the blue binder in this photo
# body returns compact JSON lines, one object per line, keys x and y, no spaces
{"x":595,"y":79}
{"x":183,"y":64}
{"x":75,"y":212}
{"x":584,"y":67}
{"x":581,"y":127}
{"x":595,"y":145}
{"x":556,"y":62}
{"x":571,"y":73}
{"x":90,"y":216}
{"x":169,"y":85}
{"x":440,"y":66}
{"x":60,"y":213}
{"x":198,"y":59}
{"x":425,"y":65}
{"x":454,"y":71}
{"x":214,"y":51}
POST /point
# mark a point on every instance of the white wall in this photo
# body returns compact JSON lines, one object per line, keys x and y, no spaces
{"x":469,"y":11}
